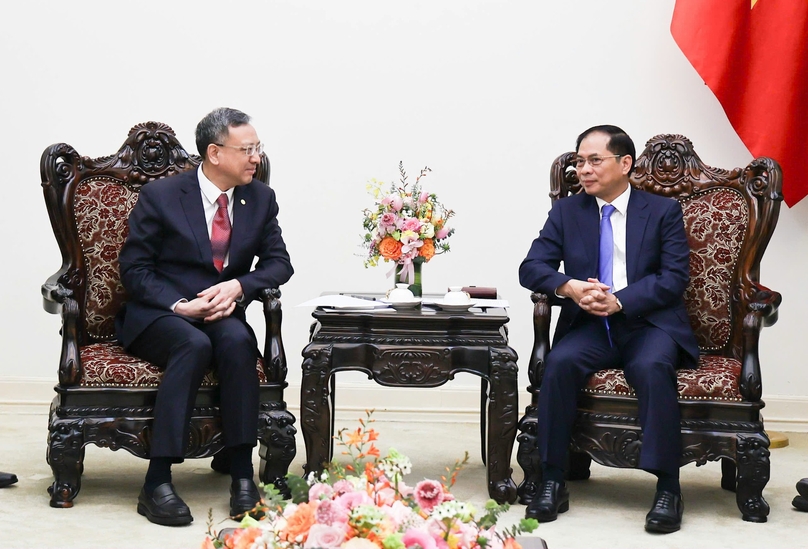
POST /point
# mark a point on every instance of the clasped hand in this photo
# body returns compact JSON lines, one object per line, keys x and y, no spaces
{"x":214,"y":303}
{"x":592,"y":296}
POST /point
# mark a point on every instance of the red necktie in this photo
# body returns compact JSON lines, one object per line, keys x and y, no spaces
{"x":220,"y":233}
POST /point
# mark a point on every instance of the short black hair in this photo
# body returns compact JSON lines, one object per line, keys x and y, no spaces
{"x":619,"y":141}
{"x":215,"y":127}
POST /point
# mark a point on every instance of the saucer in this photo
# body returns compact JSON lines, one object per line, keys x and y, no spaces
{"x":455,"y":307}
{"x":403,"y":305}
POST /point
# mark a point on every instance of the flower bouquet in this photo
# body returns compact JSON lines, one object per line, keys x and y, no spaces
{"x":407,"y":225}
{"x":365,"y":504}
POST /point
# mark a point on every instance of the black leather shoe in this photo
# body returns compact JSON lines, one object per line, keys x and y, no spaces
{"x":164,"y":507}
{"x":802,"y":488}
{"x":665,"y":515}
{"x":552,"y":499}
{"x":7,"y":479}
{"x":245,"y":499}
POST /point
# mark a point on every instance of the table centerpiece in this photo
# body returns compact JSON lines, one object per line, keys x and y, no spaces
{"x":406,"y":226}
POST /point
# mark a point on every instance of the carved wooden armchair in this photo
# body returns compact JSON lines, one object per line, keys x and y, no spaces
{"x":104,"y":395}
{"x":729,"y":217}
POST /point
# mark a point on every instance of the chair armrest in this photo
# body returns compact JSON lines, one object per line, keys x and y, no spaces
{"x":56,"y":299}
{"x":541,"y":339}
{"x":54,"y":295}
{"x":274,"y":354}
{"x":762,"y":312}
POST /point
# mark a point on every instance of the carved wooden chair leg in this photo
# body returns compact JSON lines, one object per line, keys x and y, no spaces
{"x":729,"y":474}
{"x":527,"y":455}
{"x":276,"y":434}
{"x":753,"y":473}
{"x":66,"y":457}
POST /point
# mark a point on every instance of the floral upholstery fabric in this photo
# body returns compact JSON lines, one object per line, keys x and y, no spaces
{"x":102,"y":207}
{"x":716,"y":224}
{"x":107,"y":364}
{"x":716,"y":378}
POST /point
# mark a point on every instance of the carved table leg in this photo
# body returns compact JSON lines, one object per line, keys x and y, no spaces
{"x":503,"y":413}
{"x":66,"y":458}
{"x":752,"y":456}
{"x":276,"y":434}
{"x":315,"y":410}
{"x":528,"y":456}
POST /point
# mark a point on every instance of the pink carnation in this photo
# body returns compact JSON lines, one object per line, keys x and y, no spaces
{"x":331,"y":512}
{"x":428,"y":494}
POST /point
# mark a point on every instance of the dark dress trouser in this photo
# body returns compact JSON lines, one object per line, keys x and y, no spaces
{"x":185,"y":350}
{"x":649,"y":358}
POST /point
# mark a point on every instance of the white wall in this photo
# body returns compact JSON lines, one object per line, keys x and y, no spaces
{"x":485,"y":92}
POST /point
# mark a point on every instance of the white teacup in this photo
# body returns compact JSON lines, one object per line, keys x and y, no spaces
{"x":456,"y":296}
{"x":400,"y":293}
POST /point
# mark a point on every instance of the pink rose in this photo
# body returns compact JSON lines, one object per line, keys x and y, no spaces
{"x":397,"y":203}
{"x":424,"y":197}
{"x":343,"y":487}
{"x":320,"y":490}
{"x":354,"y":499}
{"x":428,"y":494}
{"x":322,"y":535}
{"x":411,"y":224}
{"x":442,"y":233}
{"x":415,"y":537}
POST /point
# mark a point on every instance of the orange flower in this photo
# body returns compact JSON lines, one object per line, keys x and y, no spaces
{"x":299,"y":523}
{"x":427,"y":249}
{"x":208,"y":543}
{"x":390,"y":248}
{"x":242,"y":538}
{"x":511,"y":543}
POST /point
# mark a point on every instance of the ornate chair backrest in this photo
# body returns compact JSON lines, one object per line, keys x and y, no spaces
{"x":89,"y":201}
{"x":729,"y":217}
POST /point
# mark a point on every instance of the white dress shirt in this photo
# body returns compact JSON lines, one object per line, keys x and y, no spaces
{"x":618,"y":219}
{"x":210,"y":194}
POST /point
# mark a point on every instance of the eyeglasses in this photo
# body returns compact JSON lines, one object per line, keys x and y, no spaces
{"x":594,"y":161}
{"x":249,"y":150}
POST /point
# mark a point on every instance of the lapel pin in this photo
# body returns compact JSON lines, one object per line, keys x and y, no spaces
{"x":243,"y":201}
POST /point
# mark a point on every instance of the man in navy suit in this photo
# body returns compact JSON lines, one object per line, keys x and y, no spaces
{"x":638,"y":322}
{"x":187,"y":266}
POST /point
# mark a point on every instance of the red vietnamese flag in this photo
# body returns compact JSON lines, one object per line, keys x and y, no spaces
{"x":753,"y":54}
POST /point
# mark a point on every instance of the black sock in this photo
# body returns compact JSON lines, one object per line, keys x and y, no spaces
{"x":241,"y":465}
{"x":667,"y":483}
{"x":159,"y":473}
{"x":551,"y":472}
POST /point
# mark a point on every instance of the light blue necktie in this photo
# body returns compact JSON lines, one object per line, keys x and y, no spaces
{"x":606,"y":257}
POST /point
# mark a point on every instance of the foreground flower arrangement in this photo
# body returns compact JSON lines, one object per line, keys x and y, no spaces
{"x":407,"y":225}
{"x":365,"y":504}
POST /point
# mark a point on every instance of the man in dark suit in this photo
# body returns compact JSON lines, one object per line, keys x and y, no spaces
{"x":637,"y":321}
{"x":187,"y":266}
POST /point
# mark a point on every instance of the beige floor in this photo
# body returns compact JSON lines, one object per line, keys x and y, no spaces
{"x":606,"y":511}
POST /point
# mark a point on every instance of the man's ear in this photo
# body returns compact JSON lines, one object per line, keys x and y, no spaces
{"x":213,"y":154}
{"x":625,"y":163}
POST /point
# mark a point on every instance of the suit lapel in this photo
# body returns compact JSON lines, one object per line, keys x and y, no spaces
{"x":589,"y":228}
{"x":191,"y":202}
{"x":636,"y":221}
{"x":243,"y":209}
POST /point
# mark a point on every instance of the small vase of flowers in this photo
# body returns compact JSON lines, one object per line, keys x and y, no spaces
{"x":407,"y":226}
